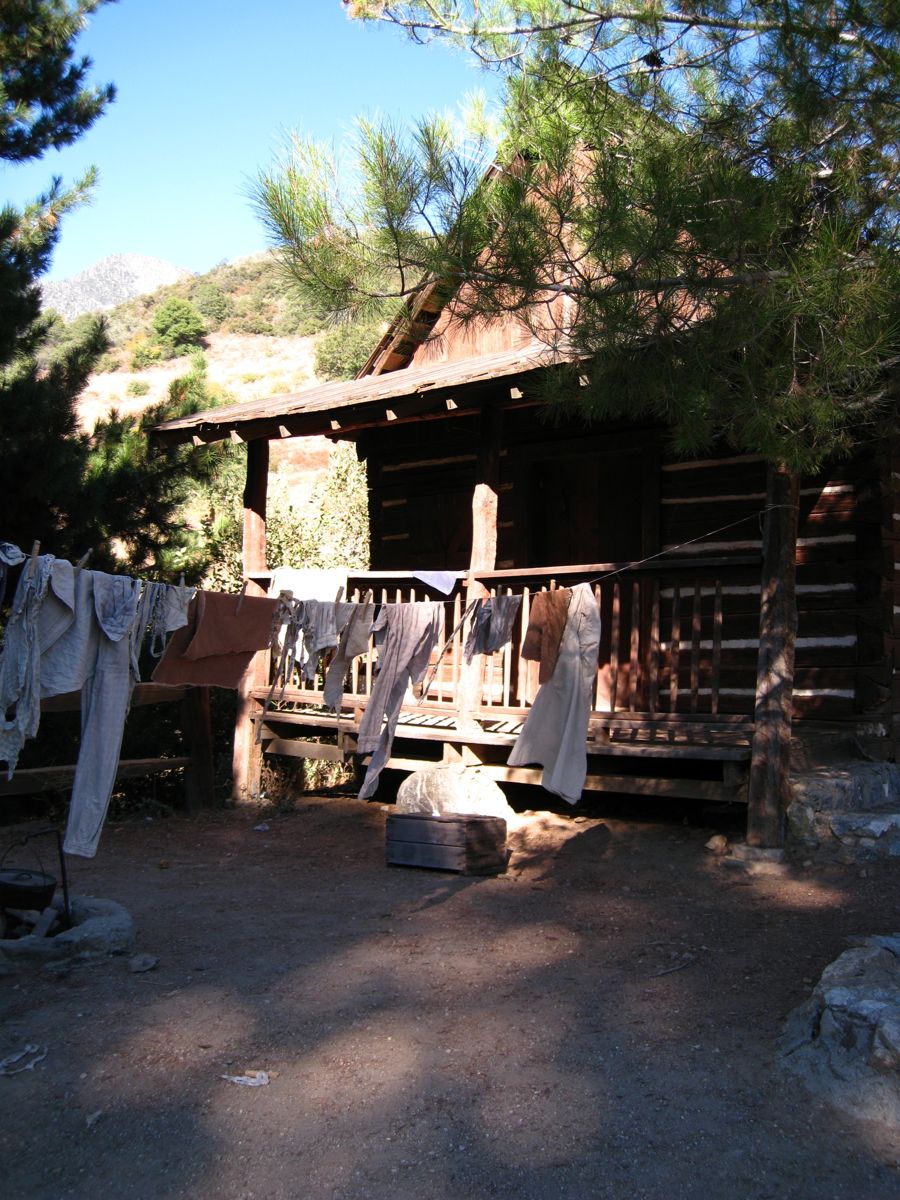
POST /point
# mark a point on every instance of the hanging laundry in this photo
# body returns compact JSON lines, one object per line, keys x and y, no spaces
{"x":321,"y":622}
{"x":216,"y":646}
{"x":555,"y":730}
{"x":493,"y":625}
{"x":411,"y":632}
{"x":324,"y":584}
{"x":308,"y":583}
{"x":354,"y":641}
{"x":441,"y":581}
{"x":20,"y":663}
{"x":546,"y":622}
{"x":10,"y":556}
{"x":163,"y":608}
{"x":85,"y":626}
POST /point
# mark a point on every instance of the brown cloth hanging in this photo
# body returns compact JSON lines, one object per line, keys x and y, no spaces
{"x":546,"y":622}
{"x":216,"y":646}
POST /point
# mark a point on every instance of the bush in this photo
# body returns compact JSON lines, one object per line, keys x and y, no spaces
{"x":250,"y":322}
{"x":212,"y":304}
{"x":137,"y":387}
{"x":177,"y":326}
{"x":343,"y":350}
{"x":107,"y":363}
{"x":146,"y":354}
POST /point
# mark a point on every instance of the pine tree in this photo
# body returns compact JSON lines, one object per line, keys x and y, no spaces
{"x":45,"y":102}
{"x":713,"y":190}
{"x":109,"y":491}
{"x":701,"y":200}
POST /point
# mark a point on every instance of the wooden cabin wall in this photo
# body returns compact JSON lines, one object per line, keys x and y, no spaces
{"x":552,"y":480}
{"x":451,"y":340}
{"x":842,"y":667}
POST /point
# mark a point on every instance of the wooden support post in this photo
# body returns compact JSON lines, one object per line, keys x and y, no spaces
{"x":483,"y":555}
{"x":769,"y":788}
{"x":247,"y":756}
{"x":199,"y":777}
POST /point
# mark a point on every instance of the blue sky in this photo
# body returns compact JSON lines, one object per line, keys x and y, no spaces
{"x":207,"y":92}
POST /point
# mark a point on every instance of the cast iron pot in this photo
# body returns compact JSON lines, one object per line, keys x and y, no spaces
{"x":21,"y":888}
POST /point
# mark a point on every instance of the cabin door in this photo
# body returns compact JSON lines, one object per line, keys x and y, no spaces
{"x":589,"y":508}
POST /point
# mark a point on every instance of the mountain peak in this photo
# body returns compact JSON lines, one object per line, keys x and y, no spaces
{"x":109,"y":282}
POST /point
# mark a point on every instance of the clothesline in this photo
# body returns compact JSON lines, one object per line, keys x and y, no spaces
{"x":640,"y":562}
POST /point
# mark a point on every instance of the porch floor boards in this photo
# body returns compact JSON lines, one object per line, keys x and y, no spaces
{"x":287,"y":731}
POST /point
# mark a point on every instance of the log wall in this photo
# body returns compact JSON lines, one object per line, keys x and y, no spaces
{"x":847,"y":658}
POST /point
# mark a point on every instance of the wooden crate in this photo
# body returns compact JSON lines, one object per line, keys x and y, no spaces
{"x":460,"y":842}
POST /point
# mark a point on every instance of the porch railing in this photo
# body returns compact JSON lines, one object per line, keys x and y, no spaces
{"x":677,"y":641}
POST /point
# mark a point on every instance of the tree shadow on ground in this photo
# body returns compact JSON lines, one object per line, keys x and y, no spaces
{"x":430,"y":1035}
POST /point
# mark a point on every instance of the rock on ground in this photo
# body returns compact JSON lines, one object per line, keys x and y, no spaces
{"x":844,"y":1042}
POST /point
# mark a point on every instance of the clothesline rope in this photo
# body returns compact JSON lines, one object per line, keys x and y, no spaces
{"x":759,"y":514}
{"x":640,"y":562}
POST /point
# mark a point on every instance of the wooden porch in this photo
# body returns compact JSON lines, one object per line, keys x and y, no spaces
{"x":672,"y":697}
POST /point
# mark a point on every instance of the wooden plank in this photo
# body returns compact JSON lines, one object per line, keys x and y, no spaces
{"x":424,"y":854}
{"x":634,"y":785}
{"x":653,"y":692}
{"x":675,"y":649}
{"x":299,"y":748}
{"x":49,"y":779}
{"x":246,"y":755}
{"x":717,"y":648}
{"x":710,"y":563}
{"x":614,"y":647}
{"x":197,"y":725}
{"x":143,"y":694}
{"x":695,"y":650}
{"x":635,"y":644}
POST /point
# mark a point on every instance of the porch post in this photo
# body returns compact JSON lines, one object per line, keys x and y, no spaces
{"x":483,"y":556}
{"x":247,"y":755}
{"x":769,"y":789}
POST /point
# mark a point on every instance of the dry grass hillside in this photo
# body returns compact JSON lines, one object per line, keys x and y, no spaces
{"x":248,"y":367}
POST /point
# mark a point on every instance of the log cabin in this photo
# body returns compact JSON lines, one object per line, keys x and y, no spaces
{"x":696,"y":565}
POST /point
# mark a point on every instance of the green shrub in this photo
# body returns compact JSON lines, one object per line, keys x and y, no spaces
{"x":343,"y":350}
{"x":212,"y":304}
{"x":177,"y":326}
{"x":137,"y":387}
{"x":107,"y":363}
{"x":146,"y":354}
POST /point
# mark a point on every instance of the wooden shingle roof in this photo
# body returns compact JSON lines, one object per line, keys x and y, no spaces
{"x":339,"y":409}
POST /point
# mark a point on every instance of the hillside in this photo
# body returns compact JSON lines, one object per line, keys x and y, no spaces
{"x":247,"y":367}
{"x":261,"y":339}
{"x":110,"y":282}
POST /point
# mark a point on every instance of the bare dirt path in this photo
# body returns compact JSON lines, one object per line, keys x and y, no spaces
{"x":430,"y":1035}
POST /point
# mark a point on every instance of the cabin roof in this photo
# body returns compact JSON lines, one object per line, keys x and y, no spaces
{"x":342,"y":408}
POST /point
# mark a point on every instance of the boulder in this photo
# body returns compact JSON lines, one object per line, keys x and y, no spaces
{"x":844,"y":1042}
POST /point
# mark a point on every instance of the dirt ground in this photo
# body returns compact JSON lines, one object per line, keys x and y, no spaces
{"x":431,"y":1035}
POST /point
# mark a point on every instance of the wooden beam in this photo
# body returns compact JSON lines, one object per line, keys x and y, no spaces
{"x":769,"y":790}
{"x":197,"y":723}
{"x":483,"y":556}
{"x":247,"y":757}
{"x":50,"y":779}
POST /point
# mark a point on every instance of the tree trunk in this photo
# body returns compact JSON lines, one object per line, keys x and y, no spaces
{"x":769,"y":789}
{"x":247,"y":755}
